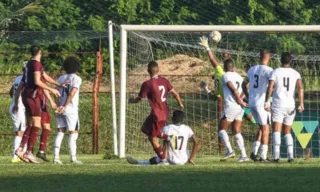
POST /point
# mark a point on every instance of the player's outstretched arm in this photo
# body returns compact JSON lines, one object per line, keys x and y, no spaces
{"x":39,"y":83}
{"x":178,"y":98}
{"x":135,"y":100}
{"x":268,"y":95}
{"x":205,"y":44}
{"x":51,"y":80}
{"x":51,"y":101}
{"x":300,"y":95}
{"x":236,"y":94}
{"x":194,"y":149}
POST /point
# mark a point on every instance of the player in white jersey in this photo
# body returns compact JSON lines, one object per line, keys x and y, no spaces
{"x":177,"y":152}
{"x":283,"y":83}
{"x":18,"y":118}
{"x":258,"y":76}
{"x":233,"y":111}
{"x":67,"y":113}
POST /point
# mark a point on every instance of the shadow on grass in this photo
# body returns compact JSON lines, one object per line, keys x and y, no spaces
{"x":187,"y":178}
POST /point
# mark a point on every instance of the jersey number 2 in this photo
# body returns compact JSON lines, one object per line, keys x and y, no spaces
{"x":181,"y":143}
{"x":163,"y":90}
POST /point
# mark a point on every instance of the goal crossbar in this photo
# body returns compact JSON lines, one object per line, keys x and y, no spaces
{"x":185,"y":28}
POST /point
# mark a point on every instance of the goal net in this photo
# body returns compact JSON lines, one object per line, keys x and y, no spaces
{"x":185,"y":63}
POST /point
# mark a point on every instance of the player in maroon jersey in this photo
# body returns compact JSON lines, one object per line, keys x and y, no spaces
{"x":156,"y":90}
{"x":32,"y":85}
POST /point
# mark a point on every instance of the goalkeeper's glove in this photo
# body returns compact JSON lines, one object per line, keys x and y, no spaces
{"x":204,"y":42}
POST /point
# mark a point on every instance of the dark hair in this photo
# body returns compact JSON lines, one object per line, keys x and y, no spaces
{"x":152,"y":64}
{"x":286,"y":58}
{"x":263,"y":53}
{"x":34,"y":50}
{"x":177,"y":116}
{"x":247,"y":66}
{"x":71,"y":65}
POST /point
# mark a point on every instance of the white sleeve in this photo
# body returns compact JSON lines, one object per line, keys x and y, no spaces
{"x":247,"y":78}
{"x":190,"y":132}
{"x":225,"y":79}
{"x":76,"y":83}
{"x":298,"y":76}
{"x":273,"y":76}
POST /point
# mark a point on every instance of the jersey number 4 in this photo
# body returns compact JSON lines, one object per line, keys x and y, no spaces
{"x":286,"y":82}
{"x":163,"y":90}
{"x":181,"y":143}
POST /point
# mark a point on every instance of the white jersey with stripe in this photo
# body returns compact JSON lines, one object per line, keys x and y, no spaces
{"x":178,"y":155}
{"x":229,"y":99}
{"x":285,"y":80}
{"x":74,"y":81}
{"x":15,"y":87}
{"x":258,"y":77}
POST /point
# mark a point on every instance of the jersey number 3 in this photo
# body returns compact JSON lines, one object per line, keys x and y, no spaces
{"x":256,"y":84}
{"x":163,"y":90}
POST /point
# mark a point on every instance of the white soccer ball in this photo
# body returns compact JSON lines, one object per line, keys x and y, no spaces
{"x":215,"y":36}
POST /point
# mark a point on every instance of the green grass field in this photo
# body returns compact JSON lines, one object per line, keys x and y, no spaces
{"x":97,"y":174}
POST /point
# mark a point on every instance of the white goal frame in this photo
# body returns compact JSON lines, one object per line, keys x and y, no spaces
{"x":184,"y":28}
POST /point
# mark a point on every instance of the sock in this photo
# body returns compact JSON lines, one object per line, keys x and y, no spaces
{"x":255,"y":147}
{"x":264,"y":151}
{"x":225,"y":139}
{"x":159,"y":152}
{"x":164,"y":136}
{"x":240,"y":142}
{"x":143,"y":163}
{"x":33,"y":138}
{"x":16,"y":144}
{"x":276,"y":142}
{"x":289,"y":143}
{"x":44,"y":140}
{"x":73,"y":145}
{"x":57,"y":144}
{"x":26,"y":136}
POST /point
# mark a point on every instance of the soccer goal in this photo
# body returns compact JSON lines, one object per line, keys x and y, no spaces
{"x":185,"y":63}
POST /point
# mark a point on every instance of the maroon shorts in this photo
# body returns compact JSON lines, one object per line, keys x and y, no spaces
{"x":151,"y":127}
{"x":33,"y":106}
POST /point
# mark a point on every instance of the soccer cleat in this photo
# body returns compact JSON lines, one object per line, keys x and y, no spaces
{"x":228,"y":156}
{"x":264,"y":160}
{"x":25,"y":158}
{"x":243,"y":159}
{"x":43,"y":156}
{"x":163,"y":162}
{"x":290,"y":160}
{"x":132,"y":160}
{"x":57,"y":161}
{"x":15,"y":160}
{"x":31,"y":158}
{"x":19,"y":152}
{"x":254,"y":157}
{"x":76,"y":162}
{"x":276,"y":160}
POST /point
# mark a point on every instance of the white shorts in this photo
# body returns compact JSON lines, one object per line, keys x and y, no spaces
{"x":283,"y":115}
{"x":232,"y":114}
{"x":261,"y":116}
{"x":19,"y":119}
{"x":69,"y":121}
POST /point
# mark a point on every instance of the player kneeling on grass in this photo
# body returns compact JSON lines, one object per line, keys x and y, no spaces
{"x":283,"y":83}
{"x":233,"y":111}
{"x":67,"y":112}
{"x":177,"y":153}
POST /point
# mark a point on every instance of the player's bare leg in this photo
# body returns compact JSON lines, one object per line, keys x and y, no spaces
{"x":256,"y":145}
{"x":236,"y":127}
{"x":289,"y":141}
{"x":264,"y":141}
{"x":224,"y":124}
{"x":43,"y":142}
{"x":57,"y":145}
{"x":276,"y":140}
{"x":220,"y":109}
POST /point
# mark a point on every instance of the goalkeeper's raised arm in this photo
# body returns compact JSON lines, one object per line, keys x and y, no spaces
{"x":212,"y":58}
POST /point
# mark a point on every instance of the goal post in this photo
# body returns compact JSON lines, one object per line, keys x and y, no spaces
{"x":201,"y":29}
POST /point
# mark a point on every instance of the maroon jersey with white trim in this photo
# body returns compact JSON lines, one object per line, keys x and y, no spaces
{"x":156,"y":91}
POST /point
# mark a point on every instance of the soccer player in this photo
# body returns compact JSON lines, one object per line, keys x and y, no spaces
{"x":156,"y":90}
{"x":233,"y":111}
{"x":18,"y":118}
{"x":258,"y":78}
{"x":67,"y":113}
{"x":218,"y":73}
{"x":32,"y":98}
{"x":177,"y":155}
{"x":283,"y":83}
